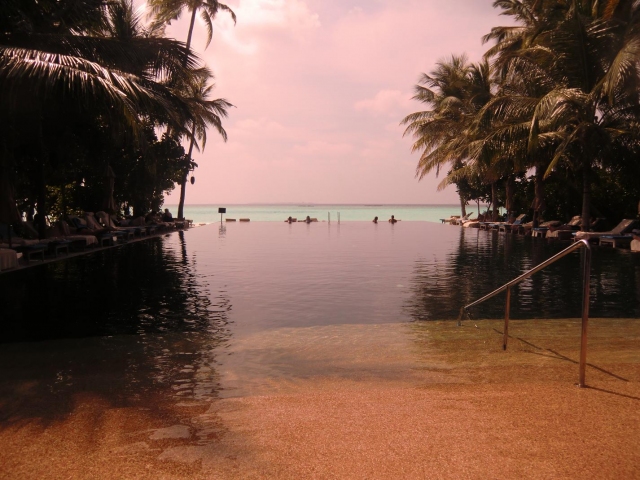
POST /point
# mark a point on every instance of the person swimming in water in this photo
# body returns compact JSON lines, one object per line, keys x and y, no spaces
{"x":392,"y":219}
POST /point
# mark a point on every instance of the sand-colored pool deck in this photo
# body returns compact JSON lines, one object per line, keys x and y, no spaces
{"x":429,"y":400}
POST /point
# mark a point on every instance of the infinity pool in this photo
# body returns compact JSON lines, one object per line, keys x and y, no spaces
{"x":259,"y":276}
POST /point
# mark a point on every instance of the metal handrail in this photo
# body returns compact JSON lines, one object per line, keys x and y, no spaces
{"x":585,"y":299}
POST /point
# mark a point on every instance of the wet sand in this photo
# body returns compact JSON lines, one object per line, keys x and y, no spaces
{"x":428,"y":400}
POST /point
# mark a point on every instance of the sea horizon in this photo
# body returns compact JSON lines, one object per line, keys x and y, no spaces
{"x":323,"y":212}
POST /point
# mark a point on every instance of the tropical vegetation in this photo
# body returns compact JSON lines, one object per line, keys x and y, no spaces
{"x":87,"y":87}
{"x":549,"y":121}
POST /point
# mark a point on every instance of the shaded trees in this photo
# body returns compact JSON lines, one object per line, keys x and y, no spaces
{"x":567,"y":103}
{"x":76,"y":75}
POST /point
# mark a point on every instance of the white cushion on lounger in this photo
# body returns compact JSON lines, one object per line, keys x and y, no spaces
{"x":8,"y":259}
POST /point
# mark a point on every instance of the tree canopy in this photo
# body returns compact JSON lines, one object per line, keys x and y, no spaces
{"x":85,"y":84}
{"x":562,"y":108}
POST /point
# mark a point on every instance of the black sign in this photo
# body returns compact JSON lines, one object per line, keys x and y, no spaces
{"x":222,"y":210}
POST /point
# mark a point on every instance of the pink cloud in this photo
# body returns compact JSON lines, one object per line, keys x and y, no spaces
{"x":392,"y":102}
{"x":320,"y":88}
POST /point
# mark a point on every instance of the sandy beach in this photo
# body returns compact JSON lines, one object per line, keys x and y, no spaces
{"x":429,"y":400}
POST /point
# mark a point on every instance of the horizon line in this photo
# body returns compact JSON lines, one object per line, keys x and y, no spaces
{"x":310,"y":204}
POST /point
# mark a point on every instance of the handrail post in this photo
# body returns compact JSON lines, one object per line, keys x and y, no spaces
{"x":507,"y":308}
{"x":585,"y":299}
{"x":586,"y":282}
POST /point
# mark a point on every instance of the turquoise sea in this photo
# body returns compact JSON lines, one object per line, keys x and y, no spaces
{"x":349,"y":213}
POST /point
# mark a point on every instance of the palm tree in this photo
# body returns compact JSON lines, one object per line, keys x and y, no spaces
{"x":205,"y":113}
{"x":455,"y":91}
{"x":589,"y":49}
{"x":165,"y":11}
{"x":54,"y":58}
{"x":595,"y":48}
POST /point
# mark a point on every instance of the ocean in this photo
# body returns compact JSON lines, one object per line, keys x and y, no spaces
{"x":348,"y":213}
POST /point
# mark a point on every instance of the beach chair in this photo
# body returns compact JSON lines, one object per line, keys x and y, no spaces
{"x":564,"y":232}
{"x":541,"y":231}
{"x":461,"y":220}
{"x":625,"y":226}
{"x":105,"y":235}
{"x":28,"y":247}
{"x":8,"y":259}
{"x":616,"y":241}
{"x":129,"y":231}
{"x":77,"y":240}
{"x":635,"y":242}
{"x":512,"y":227}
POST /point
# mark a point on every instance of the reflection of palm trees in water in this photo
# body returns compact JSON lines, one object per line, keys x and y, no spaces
{"x":148,"y":332}
{"x":483,"y":261}
{"x":186,"y":358}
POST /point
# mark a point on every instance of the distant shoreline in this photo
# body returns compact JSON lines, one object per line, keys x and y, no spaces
{"x":311,"y":205}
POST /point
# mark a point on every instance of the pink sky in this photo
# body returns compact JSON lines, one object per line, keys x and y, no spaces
{"x":320,"y":88}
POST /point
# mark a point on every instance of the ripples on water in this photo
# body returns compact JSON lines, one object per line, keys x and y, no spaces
{"x":157,"y":316}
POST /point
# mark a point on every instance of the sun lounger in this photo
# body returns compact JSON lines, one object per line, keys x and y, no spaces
{"x":625,"y":226}
{"x":508,"y":227}
{"x":461,"y":220}
{"x":451,"y":220}
{"x":565,"y":232}
{"x":616,"y":240}
{"x":8,"y":259}
{"x":130,"y":231}
{"x":28,"y":247}
{"x":541,"y":231}
{"x":79,"y":240}
{"x":635,"y":243}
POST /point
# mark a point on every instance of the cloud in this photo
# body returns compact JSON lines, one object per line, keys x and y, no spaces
{"x":385,"y":101}
{"x":260,"y":19}
{"x":261,"y":127}
{"x":320,"y":88}
{"x":289,"y":14}
{"x":321,"y":148}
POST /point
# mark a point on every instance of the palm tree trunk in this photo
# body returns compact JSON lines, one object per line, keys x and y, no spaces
{"x":463,"y":205}
{"x":183,"y":183}
{"x":586,"y":197}
{"x":41,"y":195}
{"x":190,"y":34}
{"x":538,"y":202}
{"x":509,"y":193}
{"x":8,"y":210}
{"x":494,"y":201}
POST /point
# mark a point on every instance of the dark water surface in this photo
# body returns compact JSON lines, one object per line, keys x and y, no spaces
{"x":157,"y":319}
{"x":262,"y":275}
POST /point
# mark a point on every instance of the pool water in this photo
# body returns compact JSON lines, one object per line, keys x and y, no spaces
{"x":254,"y":277}
{"x":200,"y":314}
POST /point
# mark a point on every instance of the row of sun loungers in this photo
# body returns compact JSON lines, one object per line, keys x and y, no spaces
{"x":77,"y":232}
{"x":625,"y":234}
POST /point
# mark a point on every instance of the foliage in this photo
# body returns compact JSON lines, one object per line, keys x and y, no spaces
{"x":565,"y":107}
{"x":84,"y":85}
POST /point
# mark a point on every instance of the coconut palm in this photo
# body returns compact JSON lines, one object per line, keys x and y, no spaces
{"x":205,"y":113}
{"x":590,"y":51}
{"x":455,"y":91}
{"x":165,"y":11}
{"x":53,"y":58}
